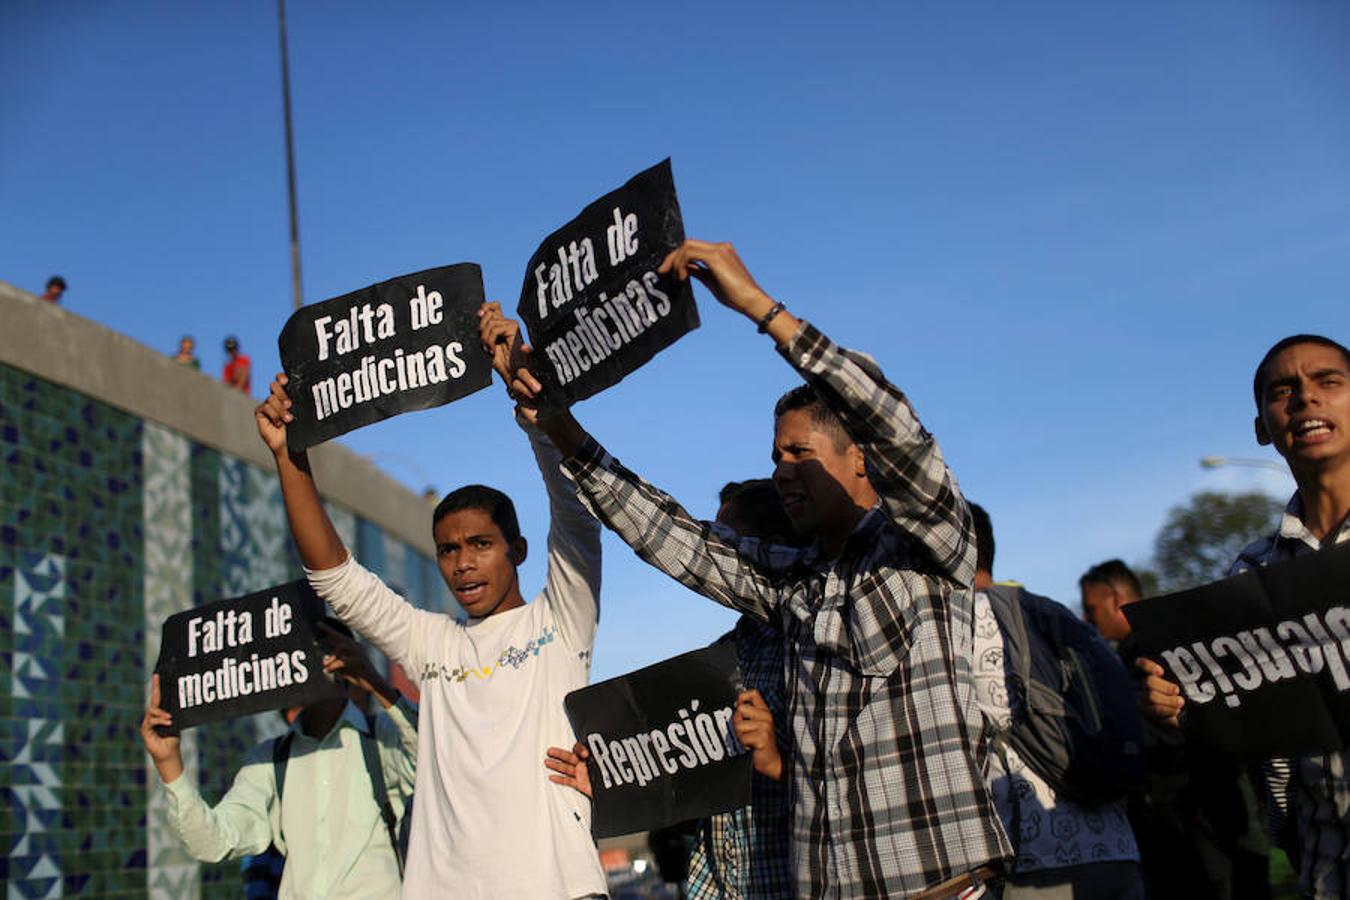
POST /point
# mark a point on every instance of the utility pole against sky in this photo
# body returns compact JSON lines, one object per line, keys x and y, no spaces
{"x":290,"y":156}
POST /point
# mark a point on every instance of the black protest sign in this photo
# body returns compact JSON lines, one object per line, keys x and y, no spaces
{"x":403,"y":344}
{"x":662,"y":745}
{"x":593,"y":303}
{"x":1263,"y":658}
{"x":235,"y":657}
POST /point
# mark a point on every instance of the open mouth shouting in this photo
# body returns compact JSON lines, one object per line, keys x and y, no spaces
{"x":470,"y":592}
{"x":1311,"y":431}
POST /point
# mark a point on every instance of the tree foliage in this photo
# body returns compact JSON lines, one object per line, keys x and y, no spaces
{"x":1148,"y":579}
{"x":1202,"y":537}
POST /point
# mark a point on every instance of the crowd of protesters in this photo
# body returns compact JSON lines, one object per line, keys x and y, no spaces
{"x":873,"y":637}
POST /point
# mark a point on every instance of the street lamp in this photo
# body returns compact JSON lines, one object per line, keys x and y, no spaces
{"x":1215,"y":462}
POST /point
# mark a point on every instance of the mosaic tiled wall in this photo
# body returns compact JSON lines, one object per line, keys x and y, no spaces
{"x":108,"y":524}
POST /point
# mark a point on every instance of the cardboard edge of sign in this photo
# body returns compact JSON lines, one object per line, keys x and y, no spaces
{"x":663,"y":169}
{"x":456,"y":270}
{"x":469,"y":274}
{"x":311,"y":608}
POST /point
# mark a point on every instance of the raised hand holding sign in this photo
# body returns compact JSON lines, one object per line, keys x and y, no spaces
{"x":245,"y":655}
{"x":403,"y":344}
{"x":594,"y":301}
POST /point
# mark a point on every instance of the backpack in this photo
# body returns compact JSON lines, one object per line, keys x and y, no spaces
{"x":370,"y":752}
{"x":1076,"y":719}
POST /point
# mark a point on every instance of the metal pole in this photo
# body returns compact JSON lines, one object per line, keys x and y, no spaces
{"x":290,"y":157}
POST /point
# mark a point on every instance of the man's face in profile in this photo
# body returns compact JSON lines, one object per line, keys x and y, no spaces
{"x":1101,"y":610}
{"x":811,"y":472}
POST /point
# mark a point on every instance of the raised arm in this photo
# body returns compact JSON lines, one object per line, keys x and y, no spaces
{"x":572,"y":586}
{"x":239,"y":825}
{"x":737,"y":572}
{"x":316,"y":539}
{"x":357,"y":596}
{"x":347,"y":661}
{"x":572,"y":583}
{"x":714,"y":563}
{"x":904,"y":464}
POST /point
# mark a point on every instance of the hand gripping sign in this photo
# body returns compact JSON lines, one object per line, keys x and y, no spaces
{"x":593,"y":303}
{"x":246,"y":655}
{"x":403,"y":344}
{"x":662,"y":745}
{"x":1262,"y":658}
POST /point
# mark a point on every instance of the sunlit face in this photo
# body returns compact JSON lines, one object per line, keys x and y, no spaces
{"x":1101,"y":609}
{"x":478,"y":563}
{"x":819,"y":482}
{"x":1305,"y":406}
{"x":186,"y":346}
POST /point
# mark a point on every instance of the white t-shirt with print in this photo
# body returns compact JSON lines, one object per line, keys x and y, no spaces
{"x":487,"y":822}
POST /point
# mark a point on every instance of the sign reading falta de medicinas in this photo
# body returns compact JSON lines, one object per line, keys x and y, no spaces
{"x":246,"y":655}
{"x":662,"y":745}
{"x":403,"y":344}
{"x":593,"y":303}
{"x":1262,"y":658}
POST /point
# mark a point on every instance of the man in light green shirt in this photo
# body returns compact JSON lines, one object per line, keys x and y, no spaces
{"x":327,"y":823}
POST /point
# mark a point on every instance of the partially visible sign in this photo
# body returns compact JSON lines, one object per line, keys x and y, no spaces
{"x":403,"y":344}
{"x":250,"y":654}
{"x":662,"y":745}
{"x":1262,"y":658}
{"x":593,"y":303}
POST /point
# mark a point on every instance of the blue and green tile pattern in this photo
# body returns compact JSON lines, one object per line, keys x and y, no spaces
{"x":108,"y":524}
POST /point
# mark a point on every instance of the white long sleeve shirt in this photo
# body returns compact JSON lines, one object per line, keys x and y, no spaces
{"x":488,"y":824}
{"x":336,"y":845}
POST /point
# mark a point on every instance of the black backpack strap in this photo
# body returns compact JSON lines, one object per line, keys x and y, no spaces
{"x":1005,"y":600}
{"x":370,"y":750}
{"x":281,"y":755}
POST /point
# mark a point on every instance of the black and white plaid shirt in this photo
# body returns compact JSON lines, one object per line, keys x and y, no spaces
{"x":1310,"y":796}
{"x":746,"y":853}
{"x":888,"y":783}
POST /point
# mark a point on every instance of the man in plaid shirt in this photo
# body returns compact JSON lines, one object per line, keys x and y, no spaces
{"x":887,"y":777}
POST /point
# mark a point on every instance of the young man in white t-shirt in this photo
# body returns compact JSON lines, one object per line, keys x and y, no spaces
{"x":487,"y":823}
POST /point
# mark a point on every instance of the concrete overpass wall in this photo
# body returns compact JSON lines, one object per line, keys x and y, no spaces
{"x":133,"y":488}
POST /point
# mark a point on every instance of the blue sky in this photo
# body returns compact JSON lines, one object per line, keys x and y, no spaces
{"x":1067,"y":230}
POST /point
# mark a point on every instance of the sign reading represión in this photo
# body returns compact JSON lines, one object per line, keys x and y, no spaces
{"x":245,"y":655}
{"x":593,"y":303}
{"x":661,"y":741}
{"x":403,"y":344}
{"x":1262,"y":658}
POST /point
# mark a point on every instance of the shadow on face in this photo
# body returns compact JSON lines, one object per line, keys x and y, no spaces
{"x":821,"y":479}
{"x":1101,"y":610}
